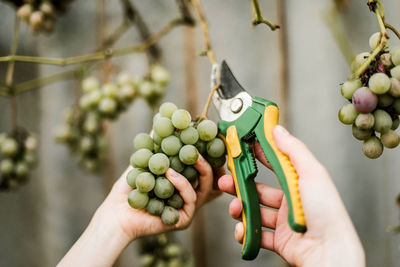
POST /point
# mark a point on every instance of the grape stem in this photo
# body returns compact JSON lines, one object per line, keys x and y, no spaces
{"x":259,"y":18}
{"x":10,"y":73}
{"x":204,"y":113}
{"x":376,"y":7}
{"x":393,"y":29}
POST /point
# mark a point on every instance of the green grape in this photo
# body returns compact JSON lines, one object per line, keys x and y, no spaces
{"x":386,"y":60}
{"x":385,"y":100}
{"x":3,"y":136}
{"x":383,"y":121}
{"x":394,"y":87}
{"x":36,"y":20}
{"x":90,"y":164}
{"x":374,"y":40}
{"x":84,"y":102}
{"x":216,"y":148}
{"x":201,"y":146}
{"x":140,"y":158}
{"x":145,"y":182}
{"x":359,"y":60}
{"x":167,"y":109}
{"x":146,"y":260}
{"x":143,"y":140}
{"x":395,"y":72}
{"x":207,"y":129}
{"x":372,"y":147}
{"x":126,"y":93}
{"x":173,"y":250}
{"x":108,"y":106}
{"x":63,"y":133}
{"x":90,"y":84}
{"x":155,"y":206}
{"x":176,"y":164}
{"x":171,"y":145}
{"x":347,"y":114}
{"x":216,"y":162}
{"x":181,"y":119}
{"x":175,"y":201}
{"x":94,"y":98}
{"x":146,"y":89}
{"x":159,"y":74}
{"x":156,"y":117}
{"x":349,"y":87}
{"x":110,"y":90}
{"x":47,"y":8}
{"x":390,"y":139}
{"x":379,"y":83}
{"x":30,"y":158}
{"x":157,"y":149}
{"x":86,"y":144}
{"x":190,"y":173}
{"x":163,"y":127}
{"x":157,"y":139}
{"x":124,"y":78}
{"x":131,"y":176}
{"x":365,"y":121}
{"x":6,"y":166}
{"x":91,"y":123}
{"x":189,"y":136}
{"x":176,"y":262}
{"x":31,"y":143}
{"x":177,"y":134}
{"x":137,"y":199}
{"x":361,"y":134}
{"x":9,"y":147}
{"x":170,"y":216}
{"x":160,"y":263}
{"x":396,"y":123}
{"x":21,"y":169}
{"x":188,"y":154}
{"x":164,"y":188}
{"x":395,"y":53}
{"x":158,"y":163}
{"x":25,"y":11}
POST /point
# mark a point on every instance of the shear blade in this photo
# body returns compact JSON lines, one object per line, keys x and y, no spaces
{"x":230,"y":87}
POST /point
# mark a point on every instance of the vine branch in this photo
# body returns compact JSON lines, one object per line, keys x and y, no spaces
{"x":204,"y":28}
{"x":376,"y":7}
{"x":259,"y":18}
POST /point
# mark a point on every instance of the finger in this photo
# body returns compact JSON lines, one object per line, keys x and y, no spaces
{"x":121,"y":186}
{"x":182,"y":185}
{"x":269,"y":217}
{"x":225,"y":183}
{"x":235,"y":208}
{"x":269,"y":196}
{"x":205,"y":180}
{"x":261,"y":156}
{"x":302,"y":159}
{"x":267,"y":237}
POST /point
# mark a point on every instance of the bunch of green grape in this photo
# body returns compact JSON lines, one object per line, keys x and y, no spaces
{"x":40,"y":15}
{"x":84,"y":135}
{"x":176,"y":143}
{"x":152,"y":86}
{"x":374,"y":98}
{"x":110,"y":99}
{"x":161,"y":251}
{"x":18,"y":154}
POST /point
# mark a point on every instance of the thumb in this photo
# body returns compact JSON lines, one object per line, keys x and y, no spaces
{"x":301,"y":157}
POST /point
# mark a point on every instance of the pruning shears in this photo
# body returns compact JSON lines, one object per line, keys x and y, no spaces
{"x":245,"y":120}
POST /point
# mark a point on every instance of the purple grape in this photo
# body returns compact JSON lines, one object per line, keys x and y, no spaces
{"x":364,"y":100}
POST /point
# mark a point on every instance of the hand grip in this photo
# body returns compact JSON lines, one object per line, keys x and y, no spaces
{"x":243,"y":172}
{"x":283,"y":168}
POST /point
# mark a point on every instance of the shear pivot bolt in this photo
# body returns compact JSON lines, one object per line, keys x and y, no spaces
{"x":236,"y":105}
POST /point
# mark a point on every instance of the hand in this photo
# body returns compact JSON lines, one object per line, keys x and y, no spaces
{"x":330,"y":240}
{"x":115,"y":224}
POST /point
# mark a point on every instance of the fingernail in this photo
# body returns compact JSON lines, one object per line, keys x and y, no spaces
{"x":281,"y":130}
{"x":171,"y":172}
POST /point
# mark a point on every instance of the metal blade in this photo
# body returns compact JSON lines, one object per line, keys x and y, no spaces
{"x":230,"y":87}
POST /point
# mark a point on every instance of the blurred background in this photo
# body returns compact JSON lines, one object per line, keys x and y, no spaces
{"x":41,"y":220}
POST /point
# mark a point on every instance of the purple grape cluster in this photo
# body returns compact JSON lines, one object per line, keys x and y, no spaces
{"x":374,"y":100}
